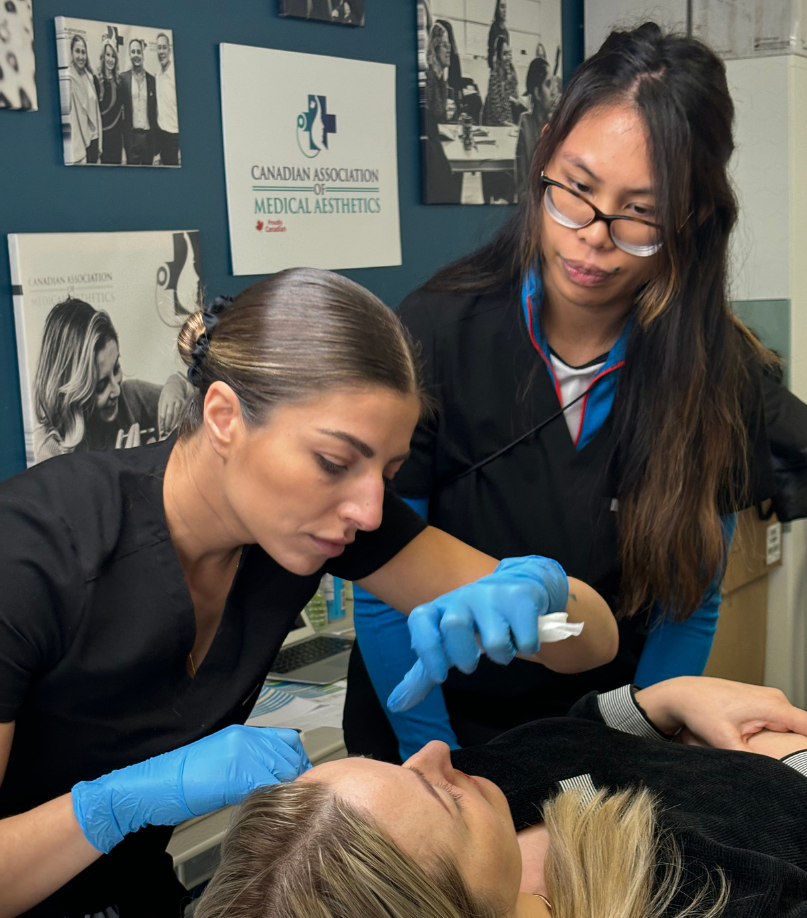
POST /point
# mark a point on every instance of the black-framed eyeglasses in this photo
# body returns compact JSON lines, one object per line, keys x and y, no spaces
{"x":569,"y":208}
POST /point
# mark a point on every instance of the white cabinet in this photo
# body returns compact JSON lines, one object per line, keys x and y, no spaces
{"x":769,"y":262}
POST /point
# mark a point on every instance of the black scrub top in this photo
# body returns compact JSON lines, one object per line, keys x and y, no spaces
{"x":542,"y":497}
{"x":96,"y":623}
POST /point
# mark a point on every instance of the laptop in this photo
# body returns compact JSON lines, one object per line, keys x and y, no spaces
{"x":310,"y":657}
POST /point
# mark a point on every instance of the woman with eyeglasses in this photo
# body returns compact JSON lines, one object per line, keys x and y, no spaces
{"x":598,"y":401}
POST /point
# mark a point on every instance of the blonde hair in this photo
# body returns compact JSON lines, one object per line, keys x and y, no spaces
{"x":607,"y":858}
{"x":299,"y":851}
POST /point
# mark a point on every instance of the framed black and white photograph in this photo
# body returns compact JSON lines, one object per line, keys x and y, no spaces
{"x":117,"y":88}
{"x":97,"y":317}
{"x":17,"y":63}
{"x":490,"y":76}
{"x":343,"y":12}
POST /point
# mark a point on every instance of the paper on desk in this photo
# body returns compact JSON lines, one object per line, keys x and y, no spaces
{"x":298,"y":716}
{"x":299,"y":705}
{"x":557,"y":627}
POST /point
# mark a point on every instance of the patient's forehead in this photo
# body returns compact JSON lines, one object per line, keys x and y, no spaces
{"x":392,"y":796}
{"x":361,"y":780}
{"x":352,"y":766}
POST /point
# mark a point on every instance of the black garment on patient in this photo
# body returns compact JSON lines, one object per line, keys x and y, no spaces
{"x":742,"y":812}
{"x":96,"y":623}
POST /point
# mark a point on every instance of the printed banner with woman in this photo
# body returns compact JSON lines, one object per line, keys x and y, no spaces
{"x":97,"y":317}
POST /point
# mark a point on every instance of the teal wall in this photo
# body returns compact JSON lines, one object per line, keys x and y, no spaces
{"x":39,"y":194}
{"x":770,"y":320}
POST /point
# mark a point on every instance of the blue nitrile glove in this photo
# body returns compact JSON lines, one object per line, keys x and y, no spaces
{"x":501,"y":610}
{"x":206,"y":775}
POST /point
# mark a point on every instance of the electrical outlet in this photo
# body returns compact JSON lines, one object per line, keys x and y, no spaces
{"x":773,"y":543}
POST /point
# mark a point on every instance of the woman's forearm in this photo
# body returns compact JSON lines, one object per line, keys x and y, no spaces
{"x":777,"y":745}
{"x":434,"y":563}
{"x":664,"y":702}
{"x":720,"y":713}
{"x":596,"y":644}
{"x":40,"y":851}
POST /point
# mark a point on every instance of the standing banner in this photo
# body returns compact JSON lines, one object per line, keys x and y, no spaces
{"x":310,"y":155}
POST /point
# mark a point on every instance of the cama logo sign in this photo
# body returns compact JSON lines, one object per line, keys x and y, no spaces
{"x":314,"y":126}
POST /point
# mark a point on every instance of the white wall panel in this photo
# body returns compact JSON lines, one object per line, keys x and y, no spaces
{"x":761,"y":171}
{"x":601,"y":16}
{"x":797,"y":118}
{"x":786,"y":646}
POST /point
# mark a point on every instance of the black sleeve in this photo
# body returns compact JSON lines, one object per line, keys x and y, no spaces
{"x":371,"y":550}
{"x":786,"y":426}
{"x":586,"y":708}
{"x":42,"y":584}
{"x":416,"y":477}
{"x":754,"y":482}
{"x":762,"y":481}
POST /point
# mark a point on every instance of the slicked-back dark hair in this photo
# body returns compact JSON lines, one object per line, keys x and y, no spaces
{"x":294,"y":335}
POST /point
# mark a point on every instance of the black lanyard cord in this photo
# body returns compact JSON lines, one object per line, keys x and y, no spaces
{"x":500,"y":452}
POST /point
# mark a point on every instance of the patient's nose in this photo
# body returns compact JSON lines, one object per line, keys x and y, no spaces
{"x":434,"y":760}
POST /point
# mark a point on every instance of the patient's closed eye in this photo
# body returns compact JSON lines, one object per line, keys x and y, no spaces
{"x":453,"y":792}
{"x":455,"y":795}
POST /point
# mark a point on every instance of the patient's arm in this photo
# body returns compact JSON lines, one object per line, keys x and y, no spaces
{"x":766,"y":742}
{"x":777,"y":745}
{"x":716,"y":712}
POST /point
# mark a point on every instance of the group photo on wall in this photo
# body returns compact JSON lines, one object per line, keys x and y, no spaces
{"x":344,"y":12}
{"x":117,"y":88}
{"x":488,"y":85}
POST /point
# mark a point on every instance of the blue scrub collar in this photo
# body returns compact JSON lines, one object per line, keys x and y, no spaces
{"x":532,"y":296}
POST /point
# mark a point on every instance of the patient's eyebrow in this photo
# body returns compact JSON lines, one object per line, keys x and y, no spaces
{"x":429,"y":788}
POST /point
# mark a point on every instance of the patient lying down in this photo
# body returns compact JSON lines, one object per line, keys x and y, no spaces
{"x":593,"y":814}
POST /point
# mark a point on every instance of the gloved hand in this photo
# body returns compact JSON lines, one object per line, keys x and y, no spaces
{"x":499,"y":612}
{"x":190,"y":781}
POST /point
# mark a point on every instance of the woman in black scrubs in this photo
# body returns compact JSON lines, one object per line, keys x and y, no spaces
{"x":147,"y":591}
{"x":599,"y":402}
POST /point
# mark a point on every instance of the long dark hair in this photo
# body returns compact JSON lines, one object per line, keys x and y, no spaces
{"x":681,"y":412}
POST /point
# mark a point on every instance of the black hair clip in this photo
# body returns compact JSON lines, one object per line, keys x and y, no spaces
{"x":210,"y":317}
